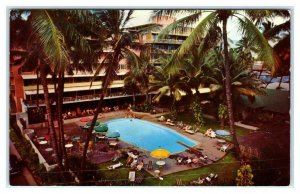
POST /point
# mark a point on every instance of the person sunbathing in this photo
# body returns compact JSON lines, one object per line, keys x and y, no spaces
{"x":129,"y":161}
{"x":140,"y":166}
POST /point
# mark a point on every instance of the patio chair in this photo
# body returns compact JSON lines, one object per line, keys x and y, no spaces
{"x":224,"y":148}
{"x":131,"y":176}
{"x":113,"y":167}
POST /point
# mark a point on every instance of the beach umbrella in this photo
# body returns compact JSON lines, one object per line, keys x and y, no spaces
{"x":85,"y":119}
{"x":90,"y":123}
{"x":113,"y":134}
{"x":101,"y":128}
{"x":160,"y":153}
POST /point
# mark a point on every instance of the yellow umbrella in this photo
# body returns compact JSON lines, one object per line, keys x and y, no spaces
{"x":160,"y":153}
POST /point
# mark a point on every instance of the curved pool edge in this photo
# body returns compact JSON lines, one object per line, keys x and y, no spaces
{"x":195,"y":142}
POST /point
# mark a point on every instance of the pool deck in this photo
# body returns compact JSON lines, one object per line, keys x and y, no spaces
{"x":208,"y":145}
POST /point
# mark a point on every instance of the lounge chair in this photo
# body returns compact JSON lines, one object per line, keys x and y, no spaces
{"x":210,"y":133}
{"x":189,"y":131}
{"x":208,"y":179}
{"x":170,"y":123}
{"x":223,"y":148}
{"x":200,"y":181}
{"x":113,"y":167}
{"x":213,"y":134}
{"x":131,"y":176}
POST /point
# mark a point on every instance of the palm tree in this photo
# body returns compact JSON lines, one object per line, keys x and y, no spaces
{"x":121,"y":43}
{"x":132,"y":85}
{"x":243,"y":81}
{"x":166,"y":84}
{"x":280,"y":36}
{"x":52,"y":34}
{"x":245,"y":20}
{"x":137,"y":79}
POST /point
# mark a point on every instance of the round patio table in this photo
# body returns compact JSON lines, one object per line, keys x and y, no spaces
{"x":49,"y":149}
{"x":69,"y":145}
{"x":160,"y":163}
{"x":43,"y":142}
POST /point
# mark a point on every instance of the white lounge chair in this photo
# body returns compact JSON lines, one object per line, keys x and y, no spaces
{"x":169,"y":123}
{"x":131,"y":176}
{"x":224,"y":148}
{"x":113,"y":167}
{"x":189,"y":131}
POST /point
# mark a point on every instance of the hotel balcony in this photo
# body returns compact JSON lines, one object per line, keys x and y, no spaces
{"x":164,"y":41}
{"x":82,"y":98}
{"x":73,"y":87}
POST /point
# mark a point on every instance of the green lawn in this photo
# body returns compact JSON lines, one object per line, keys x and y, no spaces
{"x":226,"y":168}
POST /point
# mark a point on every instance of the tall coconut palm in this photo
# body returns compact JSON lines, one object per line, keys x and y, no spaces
{"x":121,"y":43}
{"x":52,"y":34}
{"x":245,"y":20}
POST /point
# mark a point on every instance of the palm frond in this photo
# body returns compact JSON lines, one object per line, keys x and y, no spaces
{"x":198,"y":33}
{"x":266,"y":53}
{"x":51,"y":39}
{"x":127,"y":18}
{"x":180,"y":25}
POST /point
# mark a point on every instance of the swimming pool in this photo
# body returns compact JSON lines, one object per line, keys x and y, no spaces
{"x":149,"y":136}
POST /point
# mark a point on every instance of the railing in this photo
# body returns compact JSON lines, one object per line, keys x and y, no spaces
{"x":77,"y":98}
{"x":168,"y":41}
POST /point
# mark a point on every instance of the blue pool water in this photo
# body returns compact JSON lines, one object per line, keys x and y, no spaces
{"x":149,"y":136}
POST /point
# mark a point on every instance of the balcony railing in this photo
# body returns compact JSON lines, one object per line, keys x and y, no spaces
{"x":78,"y":98}
{"x":168,"y":41}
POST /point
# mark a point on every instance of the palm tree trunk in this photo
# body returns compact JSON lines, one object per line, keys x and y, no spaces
{"x":43,"y":76}
{"x":89,"y":135}
{"x":228,"y":89}
{"x":147,"y":96}
{"x":60,"y":118}
{"x":59,"y":148}
{"x":37,"y":90}
{"x":133,"y":98}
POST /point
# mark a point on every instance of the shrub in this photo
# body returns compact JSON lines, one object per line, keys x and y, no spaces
{"x":147,"y":107}
{"x":197,"y":112}
{"x":244,"y":175}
